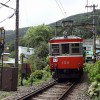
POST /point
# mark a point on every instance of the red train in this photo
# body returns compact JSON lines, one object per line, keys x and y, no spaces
{"x":66,"y":57}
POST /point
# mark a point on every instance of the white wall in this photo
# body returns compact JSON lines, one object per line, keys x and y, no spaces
{"x":25,"y":50}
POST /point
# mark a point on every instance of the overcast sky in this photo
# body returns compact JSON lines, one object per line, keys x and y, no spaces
{"x":36,"y":12}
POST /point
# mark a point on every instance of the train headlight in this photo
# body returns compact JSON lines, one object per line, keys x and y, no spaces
{"x":55,"y":59}
{"x":52,"y":65}
{"x":79,"y":66}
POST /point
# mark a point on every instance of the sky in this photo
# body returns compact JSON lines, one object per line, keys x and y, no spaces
{"x":37,"y":12}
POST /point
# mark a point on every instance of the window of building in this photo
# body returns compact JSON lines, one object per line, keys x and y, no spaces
{"x":88,"y":48}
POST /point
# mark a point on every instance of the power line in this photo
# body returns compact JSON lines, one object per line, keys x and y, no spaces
{"x":10,"y":15}
{"x":7,"y":6}
{"x":60,"y":8}
{"x":5,"y":3}
{"x":7,"y":17}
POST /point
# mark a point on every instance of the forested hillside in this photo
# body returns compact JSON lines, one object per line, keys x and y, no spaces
{"x":83,"y":18}
{"x":10,"y":34}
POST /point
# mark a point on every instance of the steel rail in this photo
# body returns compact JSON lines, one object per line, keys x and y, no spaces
{"x":37,"y":91}
{"x":62,"y":97}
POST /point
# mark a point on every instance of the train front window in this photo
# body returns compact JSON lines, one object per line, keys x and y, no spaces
{"x":65,"y":49}
{"x":55,"y":49}
{"x":75,"y":48}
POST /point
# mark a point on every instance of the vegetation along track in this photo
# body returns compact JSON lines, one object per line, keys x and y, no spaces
{"x":52,"y":91}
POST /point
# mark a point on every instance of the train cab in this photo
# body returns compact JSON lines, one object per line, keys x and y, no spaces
{"x":66,"y":56}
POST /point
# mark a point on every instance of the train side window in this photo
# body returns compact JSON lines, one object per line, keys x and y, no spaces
{"x":75,"y":48}
{"x":65,"y":49}
{"x":55,"y":49}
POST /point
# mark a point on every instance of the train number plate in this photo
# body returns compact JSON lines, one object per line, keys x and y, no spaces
{"x":55,"y":59}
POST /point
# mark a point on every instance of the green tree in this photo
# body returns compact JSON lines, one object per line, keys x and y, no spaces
{"x":11,"y":46}
{"x":42,"y":50}
{"x":35,"y":35}
{"x":38,"y":59}
{"x":22,"y":42}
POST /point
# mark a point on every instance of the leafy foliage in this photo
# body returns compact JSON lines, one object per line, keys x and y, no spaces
{"x":82,"y":19}
{"x":38,"y":59}
{"x":10,"y":34}
{"x":93,"y":71}
{"x":12,"y":54}
{"x":38,"y":36}
{"x":78,"y":19}
{"x":42,"y":50}
{"x":39,"y":76}
{"x":35,"y":35}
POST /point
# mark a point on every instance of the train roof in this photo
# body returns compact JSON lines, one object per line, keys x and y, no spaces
{"x":68,"y":37}
{"x":71,"y":38}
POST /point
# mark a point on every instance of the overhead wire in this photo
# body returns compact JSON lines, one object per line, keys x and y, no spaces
{"x":7,"y":17}
{"x":62,"y":8}
{"x":5,"y":3}
{"x":59,"y":5}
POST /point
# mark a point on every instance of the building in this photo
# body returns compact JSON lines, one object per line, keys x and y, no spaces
{"x":88,"y":46}
{"x":21,"y":50}
{"x":25,"y":50}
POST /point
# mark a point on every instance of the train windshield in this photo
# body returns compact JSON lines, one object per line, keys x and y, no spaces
{"x":65,"y":49}
{"x":75,"y":48}
{"x":55,"y":49}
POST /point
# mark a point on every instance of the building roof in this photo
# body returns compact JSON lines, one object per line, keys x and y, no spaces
{"x":90,"y":41}
{"x":6,"y":53}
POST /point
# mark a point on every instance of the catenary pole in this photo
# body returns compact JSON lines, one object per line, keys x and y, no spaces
{"x":17,"y":33}
{"x":94,"y":35}
{"x":94,"y":32}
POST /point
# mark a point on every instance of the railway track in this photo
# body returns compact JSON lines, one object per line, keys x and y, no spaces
{"x":52,"y":91}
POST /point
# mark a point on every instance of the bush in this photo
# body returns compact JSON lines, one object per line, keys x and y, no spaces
{"x":46,"y":75}
{"x":93,"y":71}
{"x":39,"y":76}
{"x":47,"y":68}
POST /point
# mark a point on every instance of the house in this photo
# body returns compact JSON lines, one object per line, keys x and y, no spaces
{"x":88,"y":46}
{"x":21,"y":50}
{"x":6,"y":56}
{"x":25,"y":50}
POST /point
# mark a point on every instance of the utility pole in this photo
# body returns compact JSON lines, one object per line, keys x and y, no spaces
{"x":17,"y":33}
{"x":15,"y":69}
{"x":94,"y":33}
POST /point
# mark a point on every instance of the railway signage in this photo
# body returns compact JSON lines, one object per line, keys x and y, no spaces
{"x":55,"y":59}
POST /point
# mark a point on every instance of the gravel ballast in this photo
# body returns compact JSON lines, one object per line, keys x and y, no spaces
{"x":78,"y":93}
